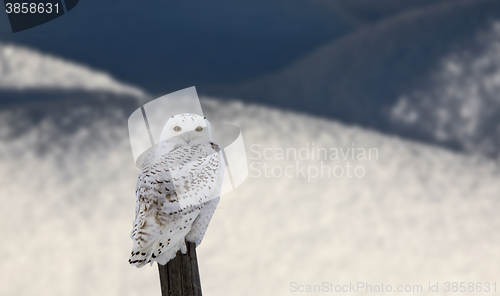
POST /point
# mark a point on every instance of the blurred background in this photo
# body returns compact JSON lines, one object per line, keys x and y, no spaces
{"x":417,"y":79}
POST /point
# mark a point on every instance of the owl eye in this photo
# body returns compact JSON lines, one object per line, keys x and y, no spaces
{"x":177,"y":128}
{"x":198,"y":128}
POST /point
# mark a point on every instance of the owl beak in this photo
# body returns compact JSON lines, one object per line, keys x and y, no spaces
{"x":187,"y":137}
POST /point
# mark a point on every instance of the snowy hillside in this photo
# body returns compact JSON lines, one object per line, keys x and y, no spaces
{"x":418,"y":214}
{"x":459,"y":104}
{"x":168,"y":44}
{"x":360,"y":78}
{"x":26,"y":69}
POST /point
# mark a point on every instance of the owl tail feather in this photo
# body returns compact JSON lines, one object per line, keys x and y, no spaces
{"x":160,"y":251}
{"x":139,"y":258}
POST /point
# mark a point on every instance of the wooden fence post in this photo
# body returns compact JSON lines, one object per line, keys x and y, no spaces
{"x":180,"y":277}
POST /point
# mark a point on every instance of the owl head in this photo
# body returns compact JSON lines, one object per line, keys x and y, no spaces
{"x":187,"y":128}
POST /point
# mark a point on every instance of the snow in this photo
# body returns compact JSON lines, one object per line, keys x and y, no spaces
{"x":420,"y":214}
{"x":444,"y":50}
{"x":459,"y":103}
{"x":24,"y":68}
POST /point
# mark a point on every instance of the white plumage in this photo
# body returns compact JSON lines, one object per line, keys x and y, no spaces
{"x":177,"y":190}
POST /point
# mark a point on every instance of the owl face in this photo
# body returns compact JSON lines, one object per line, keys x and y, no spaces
{"x":187,"y":128}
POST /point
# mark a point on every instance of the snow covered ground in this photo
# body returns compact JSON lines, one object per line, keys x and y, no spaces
{"x":418,"y":214}
{"x":440,"y":61}
{"x":459,"y":102}
{"x":22,"y":68}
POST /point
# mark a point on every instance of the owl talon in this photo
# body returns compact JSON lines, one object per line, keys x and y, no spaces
{"x":183,"y":248}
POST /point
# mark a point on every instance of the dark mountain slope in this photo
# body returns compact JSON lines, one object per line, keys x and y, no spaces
{"x":359,"y":78}
{"x":163,"y":46}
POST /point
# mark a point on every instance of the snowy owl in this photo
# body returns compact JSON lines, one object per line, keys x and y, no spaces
{"x":177,"y":190}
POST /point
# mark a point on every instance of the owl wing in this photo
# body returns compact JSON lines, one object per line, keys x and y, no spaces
{"x":200,"y":225}
{"x":200,"y":180}
{"x":157,"y":227}
{"x":169,"y":200}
